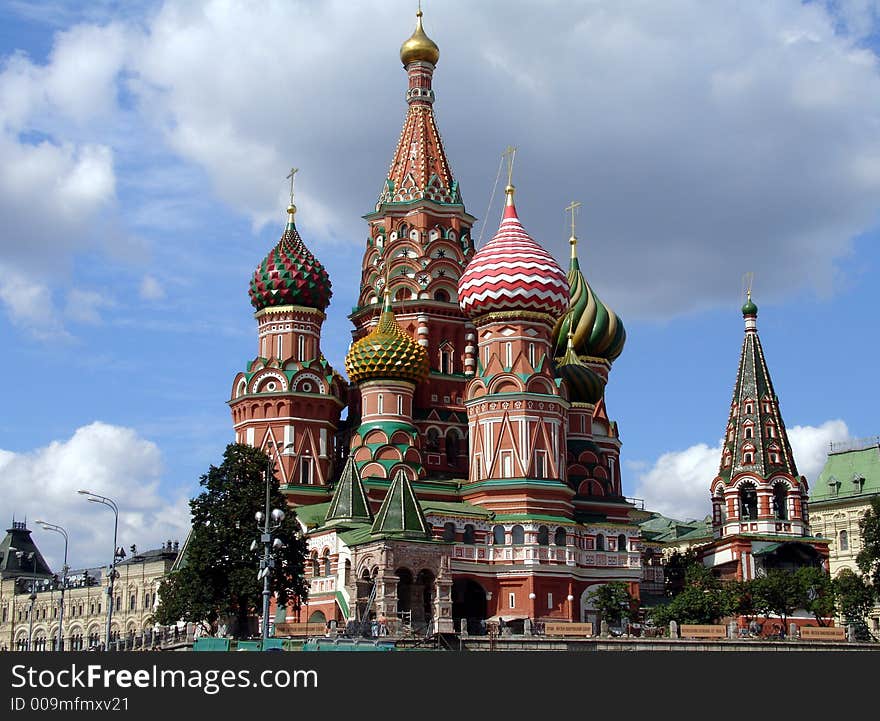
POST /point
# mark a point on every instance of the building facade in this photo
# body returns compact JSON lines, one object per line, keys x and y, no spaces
{"x":841,"y":495}
{"x":477,"y":474}
{"x":30,"y":598}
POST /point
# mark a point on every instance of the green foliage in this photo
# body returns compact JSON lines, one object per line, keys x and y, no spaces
{"x":613,"y":601}
{"x":855,"y":596}
{"x":817,"y":593}
{"x":777,"y":592}
{"x":702,"y":597}
{"x":675,"y":570}
{"x":868,"y":559}
{"x":218,"y":577}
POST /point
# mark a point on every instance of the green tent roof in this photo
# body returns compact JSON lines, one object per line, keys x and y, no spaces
{"x":349,"y":503}
{"x":400,"y":514}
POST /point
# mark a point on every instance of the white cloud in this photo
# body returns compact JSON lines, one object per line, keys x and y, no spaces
{"x":677,"y":484}
{"x":84,"y":306}
{"x":700,"y":135}
{"x":109,"y":460}
{"x":151,"y":289}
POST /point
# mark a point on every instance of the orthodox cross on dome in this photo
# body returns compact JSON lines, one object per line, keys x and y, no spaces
{"x":572,"y":208}
{"x":510,"y":154}
{"x":291,"y":178}
{"x":748,"y":278}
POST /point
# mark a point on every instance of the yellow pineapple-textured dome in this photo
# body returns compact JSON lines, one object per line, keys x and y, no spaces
{"x":387,"y":352}
{"x":419,"y":46}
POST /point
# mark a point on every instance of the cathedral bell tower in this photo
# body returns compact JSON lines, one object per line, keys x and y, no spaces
{"x":757,"y":489}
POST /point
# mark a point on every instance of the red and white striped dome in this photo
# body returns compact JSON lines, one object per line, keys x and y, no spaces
{"x":512,"y":272}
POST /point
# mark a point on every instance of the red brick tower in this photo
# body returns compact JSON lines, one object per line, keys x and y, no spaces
{"x":288,"y":401}
{"x":419,"y":241}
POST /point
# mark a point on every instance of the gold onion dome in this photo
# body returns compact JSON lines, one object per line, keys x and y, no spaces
{"x":387,"y":352}
{"x":419,"y":46}
{"x":597,"y":331}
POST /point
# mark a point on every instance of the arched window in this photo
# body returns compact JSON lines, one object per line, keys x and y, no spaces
{"x":844,"y":541}
{"x":469,"y":534}
{"x":433,"y":442}
{"x":449,"y":531}
{"x":749,"y":432}
{"x":543,"y":536}
{"x":316,"y":566}
{"x":748,"y":502}
{"x":327,"y":562}
{"x":445,"y":361}
{"x":498,"y":535}
{"x":132,"y":603}
{"x":517,"y":535}
{"x":559,"y":536}
{"x":780,"y":501}
{"x":347,"y":571}
{"x":600,"y":542}
{"x":441,"y":295}
{"x":621,"y":543}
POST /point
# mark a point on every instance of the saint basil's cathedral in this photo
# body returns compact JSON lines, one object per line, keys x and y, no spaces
{"x":477,"y":473}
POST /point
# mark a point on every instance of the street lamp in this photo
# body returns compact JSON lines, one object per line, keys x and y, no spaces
{"x":64,"y":569}
{"x":118,"y":553}
{"x":267,"y":523}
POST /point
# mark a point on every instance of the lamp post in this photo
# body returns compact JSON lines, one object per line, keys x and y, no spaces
{"x":117,"y":553}
{"x":64,"y":569}
{"x":267,"y":523}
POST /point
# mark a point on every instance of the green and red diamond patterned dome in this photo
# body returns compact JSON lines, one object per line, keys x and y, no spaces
{"x":290,"y":275}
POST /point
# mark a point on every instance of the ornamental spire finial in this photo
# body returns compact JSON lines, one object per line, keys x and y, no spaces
{"x":291,"y":208}
{"x":572,"y":208}
{"x":510,"y":152}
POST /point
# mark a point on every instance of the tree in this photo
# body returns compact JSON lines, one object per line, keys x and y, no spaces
{"x":818,"y":593}
{"x":855,"y":596}
{"x":868,"y":559}
{"x":703,"y":599}
{"x":675,"y":570}
{"x":613,"y":601}
{"x":777,"y":592}
{"x":217,"y":577}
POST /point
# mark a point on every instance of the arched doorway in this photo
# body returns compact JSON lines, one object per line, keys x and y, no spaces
{"x":365,"y":584}
{"x":405,"y":599}
{"x":468,"y":606}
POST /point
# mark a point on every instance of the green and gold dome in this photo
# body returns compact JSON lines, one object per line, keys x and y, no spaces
{"x":585,"y":385}
{"x":387,"y":352}
{"x":596,"y":330}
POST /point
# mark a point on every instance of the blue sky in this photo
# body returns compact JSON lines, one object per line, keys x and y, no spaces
{"x":144,"y":150}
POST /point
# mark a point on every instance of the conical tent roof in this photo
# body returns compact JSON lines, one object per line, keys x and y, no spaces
{"x":349,"y":504}
{"x":400,"y":514}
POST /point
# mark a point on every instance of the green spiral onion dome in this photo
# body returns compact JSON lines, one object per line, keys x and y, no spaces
{"x":597,"y":331}
{"x":584,"y":384}
{"x":290,"y":274}
{"x":387,"y":352}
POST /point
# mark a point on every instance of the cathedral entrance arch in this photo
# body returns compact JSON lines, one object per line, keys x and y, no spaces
{"x":415,"y":599}
{"x":589,"y":612}
{"x":469,"y":606}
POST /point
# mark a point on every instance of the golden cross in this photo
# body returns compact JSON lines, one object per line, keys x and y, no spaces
{"x":293,"y":172}
{"x":575,"y":204}
{"x":510,"y":152}
{"x":747,"y":284}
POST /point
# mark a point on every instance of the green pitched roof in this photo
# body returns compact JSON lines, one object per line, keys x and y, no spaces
{"x":349,"y":504}
{"x":842,"y":474}
{"x":400,"y":514}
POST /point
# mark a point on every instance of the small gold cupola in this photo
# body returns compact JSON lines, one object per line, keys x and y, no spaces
{"x":419,"y":47}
